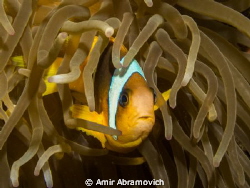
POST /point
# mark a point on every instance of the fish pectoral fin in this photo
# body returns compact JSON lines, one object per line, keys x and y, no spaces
{"x":165,"y":95}
{"x":83,"y":112}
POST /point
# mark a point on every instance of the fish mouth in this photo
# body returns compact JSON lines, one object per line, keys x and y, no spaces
{"x":131,"y":139}
{"x":144,"y":125}
{"x":146,"y":121}
{"x":146,"y":118}
{"x":141,"y":129}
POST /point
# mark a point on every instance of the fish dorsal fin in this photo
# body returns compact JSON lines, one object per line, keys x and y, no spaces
{"x":118,"y":80}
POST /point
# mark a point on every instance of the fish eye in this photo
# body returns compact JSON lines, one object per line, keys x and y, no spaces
{"x":123,"y":100}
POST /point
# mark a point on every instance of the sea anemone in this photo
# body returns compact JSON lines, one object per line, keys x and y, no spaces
{"x":199,"y":49}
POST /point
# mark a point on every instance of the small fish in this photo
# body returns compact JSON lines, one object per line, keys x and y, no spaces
{"x":123,"y":101}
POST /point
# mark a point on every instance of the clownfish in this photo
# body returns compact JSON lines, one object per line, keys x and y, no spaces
{"x":124,"y":101}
